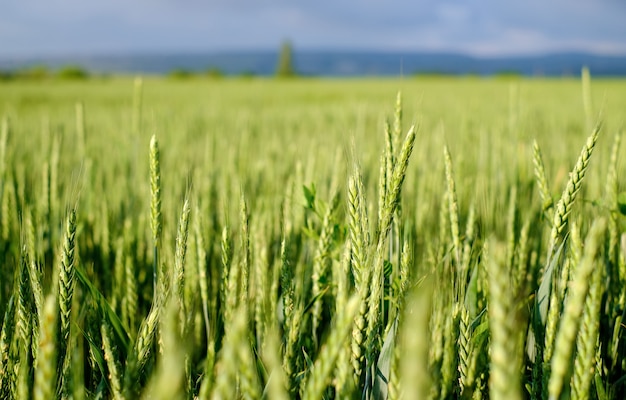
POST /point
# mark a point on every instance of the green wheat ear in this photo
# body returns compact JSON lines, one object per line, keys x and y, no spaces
{"x":397,"y":179}
{"x":65,"y":295}
{"x":141,"y":350}
{"x":113,"y":365}
{"x":453,"y":205}
{"x":564,"y":206}
{"x":542,"y":181}
{"x":155,"y":204}
{"x":178,"y":283}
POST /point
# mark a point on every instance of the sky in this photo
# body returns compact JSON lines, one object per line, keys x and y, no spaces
{"x":478,"y":27}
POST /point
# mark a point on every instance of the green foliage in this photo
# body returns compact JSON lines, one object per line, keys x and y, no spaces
{"x":180,"y":73}
{"x":6,"y":75}
{"x":621,"y":202}
{"x":36,"y":72}
{"x":214,"y":73}
{"x":72,"y":72}
{"x":227,"y":239}
{"x":40,"y":72}
{"x":508,"y":75}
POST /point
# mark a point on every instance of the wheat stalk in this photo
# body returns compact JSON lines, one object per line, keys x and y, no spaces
{"x":522,"y":277}
{"x":587,"y":339}
{"x":203,"y":283}
{"x":80,"y":127}
{"x":322,"y":262}
{"x":570,"y":321}
{"x":375,"y":297}
{"x":611,"y":201}
{"x":168,"y":380}
{"x":414,"y":366}
{"x":504,"y":375}
{"x":276,"y":385}
{"x":468,"y":243}
{"x":342,"y":381}
{"x":119,"y":270}
{"x":8,"y":205}
{"x":35,"y":274}
{"x":45,"y":371}
{"x":449,"y":364}
{"x":239,"y":374}
{"x":55,"y":154}
{"x":325,"y":362}
{"x":384,"y":175}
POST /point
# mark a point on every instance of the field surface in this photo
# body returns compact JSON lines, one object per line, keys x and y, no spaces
{"x":313,"y":238}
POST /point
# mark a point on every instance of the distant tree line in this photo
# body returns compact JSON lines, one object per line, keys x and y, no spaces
{"x":285,"y":68}
{"x":40,"y":72}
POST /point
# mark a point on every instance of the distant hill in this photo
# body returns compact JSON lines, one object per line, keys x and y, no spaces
{"x":349,"y":63}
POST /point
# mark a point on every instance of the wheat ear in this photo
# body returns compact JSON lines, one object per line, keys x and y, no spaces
{"x":178,"y":283}
{"x":155,"y":205}
{"x":540,"y":175}
{"x":564,"y":206}
{"x":113,"y":365}
{"x":66,"y":285}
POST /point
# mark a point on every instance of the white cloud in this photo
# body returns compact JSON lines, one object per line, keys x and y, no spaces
{"x":453,"y":13}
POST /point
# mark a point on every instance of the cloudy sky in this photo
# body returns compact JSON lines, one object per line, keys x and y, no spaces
{"x":479,"y":27}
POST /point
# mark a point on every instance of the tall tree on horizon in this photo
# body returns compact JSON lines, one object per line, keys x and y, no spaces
{"x":285,"y":66}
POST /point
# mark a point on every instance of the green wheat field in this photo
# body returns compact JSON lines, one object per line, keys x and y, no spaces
{"x":416,"y":238}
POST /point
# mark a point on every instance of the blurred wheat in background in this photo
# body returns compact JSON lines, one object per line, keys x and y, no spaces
{"x":312,"y":239}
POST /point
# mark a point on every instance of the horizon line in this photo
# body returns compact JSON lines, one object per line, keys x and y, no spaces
{"x":307,"y":50}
